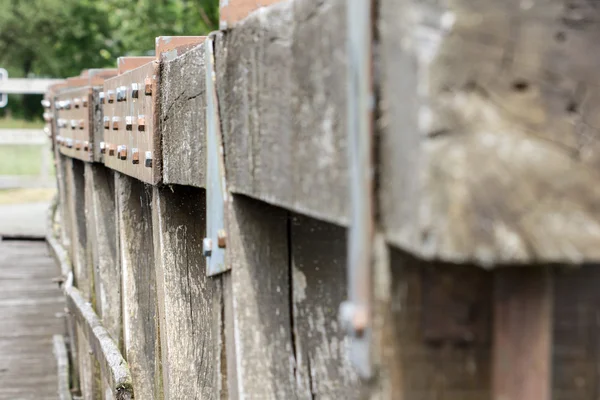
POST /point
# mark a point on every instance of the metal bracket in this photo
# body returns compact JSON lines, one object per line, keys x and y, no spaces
{"x":355,"y":313}
{"x":215,"y":242}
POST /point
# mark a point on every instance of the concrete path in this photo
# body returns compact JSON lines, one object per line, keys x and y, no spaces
{"x":18,"y":220}
{"x":30,"y":311}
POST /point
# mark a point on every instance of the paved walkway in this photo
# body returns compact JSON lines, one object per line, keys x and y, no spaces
{"x":29,"y":305}
{"x":23,"y":220}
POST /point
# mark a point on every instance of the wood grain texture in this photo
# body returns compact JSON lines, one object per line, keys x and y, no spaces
{"x":63,"y":200}
{"x":280,"y":82}
{"x":318,"y":255}
{"x":487,"y":126}
{"x":140,"y":323}
{"x":102,"y":234}
{"x":258,"y":252}
{"x":182,"y":118}
{"x":523,"y":349}
{"x":417,"y":369}
{"x":190,"y":302}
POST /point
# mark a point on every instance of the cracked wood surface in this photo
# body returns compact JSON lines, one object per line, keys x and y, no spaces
{"x":189,"y":302}
{"x":488,"y":129}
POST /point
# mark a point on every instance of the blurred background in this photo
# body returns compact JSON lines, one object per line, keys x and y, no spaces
{"x":58,"y":39}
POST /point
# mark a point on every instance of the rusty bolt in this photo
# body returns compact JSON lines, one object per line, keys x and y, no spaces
{"x":111,"y":149}
{"x":206,"y":247}
{"x":148,"y":86}
{"x":148,"y":159}
{"x":135,"y":156}
{"x":221,"y":238}
{"x":141,"y":123}
{"x":102,"y":147}
{"x":77,"y":145}
{"x":123,"y":152}
{"x":102,"y":97}
{"x":135,"y":90}
{"x":121,"y":93}
{"x":84,"y":102}
{"x":86,"y":145}
{"x":106,"y":122}
{"x":81,"y":124}
{"x":110,"y":95}
{"x":76,"y":102}
{"x":115,"y":123}
{"x":128,"y":123}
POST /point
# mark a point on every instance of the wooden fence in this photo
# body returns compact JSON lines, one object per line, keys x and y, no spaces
{"x":337,"y":200}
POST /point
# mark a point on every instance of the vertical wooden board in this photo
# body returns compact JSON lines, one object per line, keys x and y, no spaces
{"x":522,"y":333}
{"x":64,"y":198}
{"x":102,"y":235}
{"x":258,"y":252}
{"x":190,"y":302}
{"x":140,"y":335}
{"x":417,"y":369}
{"x":89,"y":369}
{"x":576,"y":329}
{"x":318,"y":254}
{"x":182,"y":118}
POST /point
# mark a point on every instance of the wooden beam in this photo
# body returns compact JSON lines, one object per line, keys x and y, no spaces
{"x":522,"y":362}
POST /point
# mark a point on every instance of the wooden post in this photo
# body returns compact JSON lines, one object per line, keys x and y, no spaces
{"x":522,"y":366}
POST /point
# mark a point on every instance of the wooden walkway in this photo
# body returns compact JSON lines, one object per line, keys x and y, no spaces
{"x":30,"y":305}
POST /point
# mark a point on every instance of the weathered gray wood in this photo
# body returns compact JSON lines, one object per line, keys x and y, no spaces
{"x":182,"y":118}
{"x":523,"y":350}
{"x":102,"y":235}
{"x":114,"y":368}
{"x":62,"y":365}
{"x":318,"y":286}
{"x":64,"y":199}
{"x":140,"y":333}
{"x":258,"y":251}
{"x":487,"y":118}
{"x":190,"y":302}
{"x":413,"y":368}
{"x":280,"y":81}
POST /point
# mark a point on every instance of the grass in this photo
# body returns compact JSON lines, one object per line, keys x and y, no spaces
{"x":21,"y":159}
{"x":9,"y":123}
{"x":20,"y":196}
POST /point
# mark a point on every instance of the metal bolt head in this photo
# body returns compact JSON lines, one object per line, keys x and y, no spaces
{"x":67,"y":104}
{"x":135,"y":156}
{"x":86,"y":145}
{"x":121,"y":93}
{"x":102,"y":147}
{"x":141,"y":123}
{"x":102,"y":97}
{"x":106,"y":122}
{"x":81,"y":124}
{"x":206,"y":247}
{"x":115,"y":123}
{"x":73,"y":124}
{"x":111,"y":149}
{"x":123,"y":152}
{"x":148,"y":86}
{"x":354,"y":318}
{"x":221,"y":238}
{"x":77,"y":145}
{"x":76,"y":102}
{"x":129,"y":123}
{"x":70,"y":143}
{"x":148,"y":159}
{"x":84,"y":102}
{"x":135,"y":90}
{"x":110,"y":95}
{"x":47,"y":117}
{"x":46,"y":103}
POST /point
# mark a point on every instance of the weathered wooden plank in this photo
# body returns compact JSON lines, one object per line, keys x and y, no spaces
{"x":486,"y":123}
{"x":190,"y":302}
{"x":102,"y":234}
{"x":318,"y":257}
{"x":114,"y":368}
{"x":62,"y":364}
{"x":522,"y":334}
{"x":258,"y":251}
{"x":284,"y":68}
{"x":64,"y":199}
{"x":182,"y":118}
{"x":140,"y":324}
{"x":232,"y":11}
{"x":445,"y":369}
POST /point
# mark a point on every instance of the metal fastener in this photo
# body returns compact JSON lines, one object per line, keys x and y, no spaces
{"x":354,"y":318}
{"x":123,"y":152}
{"x":81,"y":124}
{"x":46,"y":103}
{"x":135,"y":90}
{"x":115,"y":123}
{"x":121,"y":93}
{"x":148,"y":159}
{"x":111,"y":149}
{"x":128,"y":123}
{"x":141,"y":123}
{"x":148,"y":86}
{"x":77,"y":145}
{"x":76,"y":102}
{"x":73,"y":124}
{"x":66,"y":104}
{"x":102,"y":97}
{"x":206,"y":247}
{"x":70,"y":143}
{"x":102,"y":148}
{"x":106,"y":122}
{"x":62,"y":123}
{"x":86,"y":145}
{"x":84,"y":102}
{"x":135,"y":156}
{"x":221,"y":238}
{"x":110,"y":95}
{"x":47,"y":117}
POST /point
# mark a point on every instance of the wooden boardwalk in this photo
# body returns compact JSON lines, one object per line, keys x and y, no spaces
{"x":30,"y":304}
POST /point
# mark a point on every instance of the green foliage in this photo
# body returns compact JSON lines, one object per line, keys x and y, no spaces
{"x":59,"y":38}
